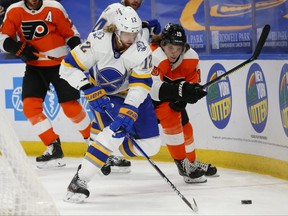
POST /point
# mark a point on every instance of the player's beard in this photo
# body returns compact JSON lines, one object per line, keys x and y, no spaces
{"x":126,"y":45}
{"x":119,"y":45}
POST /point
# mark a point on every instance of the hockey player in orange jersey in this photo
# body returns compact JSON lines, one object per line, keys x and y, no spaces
{"x":43,"y":27}
{"x":176,"y":78}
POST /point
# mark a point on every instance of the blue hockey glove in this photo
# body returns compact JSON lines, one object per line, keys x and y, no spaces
{"x":98,"y":100}
{"x":153,"y":26}
{"x":124,"y":121}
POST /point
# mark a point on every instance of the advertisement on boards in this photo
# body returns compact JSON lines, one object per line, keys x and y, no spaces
{"x":245,"y":112}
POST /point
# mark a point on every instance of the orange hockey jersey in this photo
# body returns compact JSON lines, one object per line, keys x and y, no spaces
{"x":47,"y":29}
{"x":185,"y":69}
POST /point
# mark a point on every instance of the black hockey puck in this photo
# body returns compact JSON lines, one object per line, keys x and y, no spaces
{"x":246,"y":202}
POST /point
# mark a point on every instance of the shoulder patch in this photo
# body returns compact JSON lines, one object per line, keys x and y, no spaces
{"x":98,"y":34}
{"x":155,"y":71}
{"x":141,"y":46}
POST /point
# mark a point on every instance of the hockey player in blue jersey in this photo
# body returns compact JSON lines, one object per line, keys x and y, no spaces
{"x":120,"y":86}
{"x":151,"y":27}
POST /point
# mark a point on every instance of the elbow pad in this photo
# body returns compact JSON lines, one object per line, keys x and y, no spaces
{"x":73,"y":42}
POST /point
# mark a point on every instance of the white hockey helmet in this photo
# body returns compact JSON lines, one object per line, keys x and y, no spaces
{"x":126,"y":19}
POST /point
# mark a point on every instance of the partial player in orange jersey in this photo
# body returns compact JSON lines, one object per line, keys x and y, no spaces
{"x":176,"y":78}
{"x":44,"y":29}
{"x":4,"y":4}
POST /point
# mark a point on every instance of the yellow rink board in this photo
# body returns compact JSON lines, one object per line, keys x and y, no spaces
{"x":225,"y":159}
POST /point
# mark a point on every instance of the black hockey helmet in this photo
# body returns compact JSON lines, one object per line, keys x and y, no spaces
{"x":174,"y":34}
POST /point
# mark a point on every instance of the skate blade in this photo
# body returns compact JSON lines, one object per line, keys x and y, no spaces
{"x":74,"y":197}
{"x":212,"y":176}
{"x":194,"y":180}
{"x":118,"y":169}
{"x":50,"y":164}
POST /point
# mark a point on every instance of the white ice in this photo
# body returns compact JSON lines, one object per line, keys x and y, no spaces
{"x":144,"y":192}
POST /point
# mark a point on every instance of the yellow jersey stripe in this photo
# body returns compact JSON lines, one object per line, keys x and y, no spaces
{"x":99,"y":120}
{"x":140,"y":85}
{"x":93,"y":158}
{"x":77,"y":61}
{"x":100,"y":148}
{"x":141,"y":76}
{"x":66,"y":64}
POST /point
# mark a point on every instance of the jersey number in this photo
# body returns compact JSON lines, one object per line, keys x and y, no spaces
{"x":148,"y":63}
{"x":100,"y":24}
{"x":85,"y":46}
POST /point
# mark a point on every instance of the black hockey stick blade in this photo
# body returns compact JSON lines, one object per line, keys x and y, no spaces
{"x":261,"y":41}
{"x":255,"y":55}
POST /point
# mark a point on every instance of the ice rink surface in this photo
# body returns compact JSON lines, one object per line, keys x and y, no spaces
{"x":144,"y":192}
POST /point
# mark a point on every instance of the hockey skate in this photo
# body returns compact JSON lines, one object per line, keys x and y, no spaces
{"x":87,"y":141}
{"x":190,"y":171}
{"x":209,"y":169}
{"x":52,"y":157}
{"x":116,"y":164}
{"x":77,"y":190}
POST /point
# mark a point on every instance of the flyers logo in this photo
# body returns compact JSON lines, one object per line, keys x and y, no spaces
{"x":155,"y":71}
{"x":33,"y":29}
{"x":229,"y":15}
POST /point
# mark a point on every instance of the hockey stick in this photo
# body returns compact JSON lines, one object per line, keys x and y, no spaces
{"x":255,"y":55}
{"x":40,"y":74}
{"x":48,"y":57}
{"x":194,"y":207}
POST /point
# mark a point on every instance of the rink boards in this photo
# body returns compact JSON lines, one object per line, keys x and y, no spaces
{"x":241,"y":124}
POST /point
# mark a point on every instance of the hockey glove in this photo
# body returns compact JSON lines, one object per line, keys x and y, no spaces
{"x":98,"y":100}
{"x":178,"y":106}
{"x":153,"y":26}
{"x":25,"y":51}
{"x":124,"y":121}
{"x":191,"y":92}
